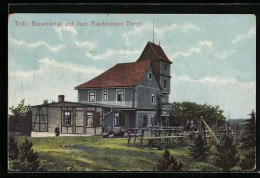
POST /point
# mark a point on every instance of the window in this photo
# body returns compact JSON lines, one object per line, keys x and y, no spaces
{"x":89,"y":120}
{"x":116,"y":119}
{"x":165,"y":67}
{"x":145,"y":121}
{"x":120,"y":95}
{"x":105,"y":96}
{"x":149,"y":75}
{"x":153,"y":97}
{"x":92,"y":97}
{"x":165,"y":83}
{"x":67,"y":118}
{"x":119,"y":119}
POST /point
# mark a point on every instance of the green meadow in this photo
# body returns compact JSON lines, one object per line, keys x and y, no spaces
{"x":103,"y":154}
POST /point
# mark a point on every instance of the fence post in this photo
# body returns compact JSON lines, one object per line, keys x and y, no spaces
{"x":236,"y":132}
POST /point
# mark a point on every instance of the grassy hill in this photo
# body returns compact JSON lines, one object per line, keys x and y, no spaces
{"x":100,"y":154}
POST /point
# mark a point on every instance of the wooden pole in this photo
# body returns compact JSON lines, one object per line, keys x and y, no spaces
{"x":141,"y":140}
{"x":216,"y":127}
{"x":129,"y":138}
{"x":236,"y":132}
{"x":135,"y":135}
{"x":210,"y":130}
{"x":205,"y":138}
{"x":227,"y":128}
{"x":201,"y":124}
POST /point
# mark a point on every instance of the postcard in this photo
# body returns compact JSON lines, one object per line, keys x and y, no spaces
{"x":131,"y":92}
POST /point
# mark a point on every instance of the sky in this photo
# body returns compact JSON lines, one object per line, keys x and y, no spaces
{"x":214,"y":56}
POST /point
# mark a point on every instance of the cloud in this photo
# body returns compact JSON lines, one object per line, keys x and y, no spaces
{"x":87,"y":44}
{"x":109,"y":53}
{"x":61,"y":29}
{"x":54,"y":65}
{"x":216,"y":81}
{"x":224,"y":54}
{"x":242,"y":37}
{"x":37,"y":44}
{"x":128,"y":34}
{"x":192,"y":50}
{"x":183,"y":27}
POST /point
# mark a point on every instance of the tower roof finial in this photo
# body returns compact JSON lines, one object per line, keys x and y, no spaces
{"x":153,"y":30}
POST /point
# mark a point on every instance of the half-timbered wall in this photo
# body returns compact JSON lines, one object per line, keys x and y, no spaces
{"x":46,"y":118}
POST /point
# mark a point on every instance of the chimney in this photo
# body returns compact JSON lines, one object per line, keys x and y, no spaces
{"x":61,"y":98}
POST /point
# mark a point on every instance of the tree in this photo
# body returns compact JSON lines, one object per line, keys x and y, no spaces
{"x":248,"y":163}
{"x":199,"y":150}
{"x":29,"y":160}
{"x":226,"y":155}
{"x":192,"y":111}
{"x":249,"y":142}
{"x":250,"y":136}
{"x":45,"y":101}
{"x":13,"y":149}
{"x":21,"y":110}
{"x":168,"y":163}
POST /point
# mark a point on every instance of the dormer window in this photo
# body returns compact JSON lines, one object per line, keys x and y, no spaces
{"x":165,"y":67}
{"x":149,"y":75}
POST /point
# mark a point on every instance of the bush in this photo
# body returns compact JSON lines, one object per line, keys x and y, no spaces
{"x":21,"y":118}
{"x":13,"y":149}
{"x":226,"y":155}
{"x":199,"y":150}
{"x":249,"y":162}
{"x":29,"y":160}
{"x":168,"y":163}
{"x":57,"y":131}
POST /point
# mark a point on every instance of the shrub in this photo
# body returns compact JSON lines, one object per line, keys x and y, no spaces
{"x":199,"y":150}
{"x":168,"y":163}
{"x":29,"y":160}
{"x":57,"y":131}
{"x":248,"y":163}
{"x":226,"y":155}
{"x":13,"y":149}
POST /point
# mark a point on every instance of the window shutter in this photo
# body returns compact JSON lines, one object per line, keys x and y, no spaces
{"x":145,"y":120}
{"x":155,"y":120}
{"x":96,"y":119}
{"x":121,"y":119}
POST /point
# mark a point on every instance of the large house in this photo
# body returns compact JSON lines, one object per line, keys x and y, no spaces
{"x":128,"y":92}
{"x":125,"y":95}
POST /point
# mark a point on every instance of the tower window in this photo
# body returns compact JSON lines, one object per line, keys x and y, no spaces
{"x":165,"y":67}
{"x":105,"y":95}
{"x":149,"y":75}
{"x":165,"y":83}
{"x":153,"y":97}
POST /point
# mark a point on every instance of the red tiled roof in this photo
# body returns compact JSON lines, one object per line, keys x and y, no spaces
{"x":159,"y":51}
{"x":120,"y":75}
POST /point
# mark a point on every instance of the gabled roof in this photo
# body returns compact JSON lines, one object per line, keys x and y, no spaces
{"x":120,"y":75}
{"x":159,"y":52}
